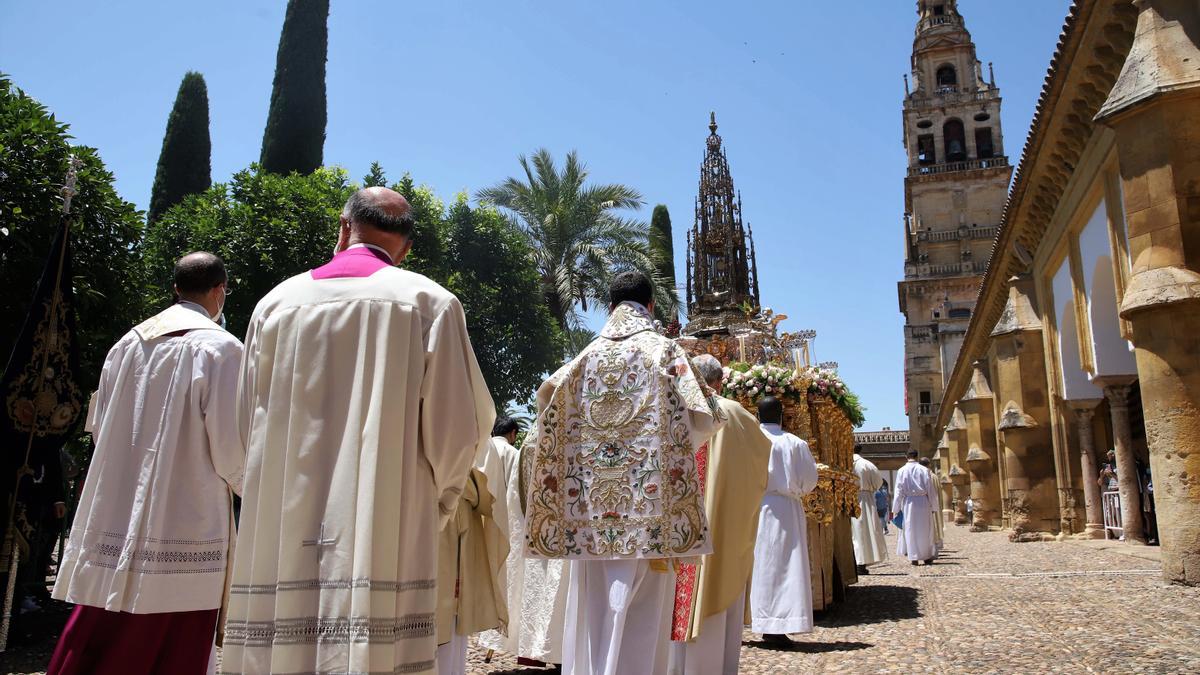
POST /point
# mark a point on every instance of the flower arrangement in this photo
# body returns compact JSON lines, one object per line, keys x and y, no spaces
{"x":828,"y":383}
{"x":756,"y":381}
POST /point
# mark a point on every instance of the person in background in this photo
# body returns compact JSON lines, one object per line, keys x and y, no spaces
{"x":881,"y":505}
{"x":1108,"y":473}
{"x":914,"y":487}
{"x":865,"y":530}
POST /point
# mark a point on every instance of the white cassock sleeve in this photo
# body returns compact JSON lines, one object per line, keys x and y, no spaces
{"x":804,"y":470}
{"x":219,"y":405}
{"x":99,"y":399}
{"x":457,"y":412}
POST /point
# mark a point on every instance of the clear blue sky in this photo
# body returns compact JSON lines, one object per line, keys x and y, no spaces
{"x":807,"y":95}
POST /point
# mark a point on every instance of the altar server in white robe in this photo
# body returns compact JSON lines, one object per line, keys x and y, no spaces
{"x":935,"y":507}
{"x":363,"y":408}
{"x":497,"y":460}
{"x":613,"y":485}
{"x":866,"y":530}
{"x":913,"y":490}
{"x":780,"y":586}
{"x":146,"y":560}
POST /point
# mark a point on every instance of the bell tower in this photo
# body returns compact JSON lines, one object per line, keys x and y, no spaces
{"x":954,"y":193}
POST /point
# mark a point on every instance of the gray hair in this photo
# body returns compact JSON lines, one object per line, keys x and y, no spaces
{"x":709,"y":367}
{"x":362,"y":208}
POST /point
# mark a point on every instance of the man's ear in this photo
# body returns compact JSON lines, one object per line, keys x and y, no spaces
{"x":404,"y":251}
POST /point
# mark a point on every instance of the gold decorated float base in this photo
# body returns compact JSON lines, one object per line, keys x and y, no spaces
{"x":830,"y":506}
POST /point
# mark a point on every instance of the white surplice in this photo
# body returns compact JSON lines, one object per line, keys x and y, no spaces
{"x":619,"y":615}
{"x":913,"y":490}
{"x":498,"y":460}
{"x":870,"y":548}
{"x":363,"y":408}
{"x":153,"y":530}
{"x":780,"y":587}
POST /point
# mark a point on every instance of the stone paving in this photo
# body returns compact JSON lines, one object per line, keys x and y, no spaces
{"x":990,"y":606}
{"x":986,"y":606}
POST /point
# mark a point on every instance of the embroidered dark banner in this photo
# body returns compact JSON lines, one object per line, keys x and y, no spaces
{"x":40,"y":402}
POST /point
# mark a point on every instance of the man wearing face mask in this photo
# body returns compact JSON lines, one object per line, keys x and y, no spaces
{"x":147,"y":557}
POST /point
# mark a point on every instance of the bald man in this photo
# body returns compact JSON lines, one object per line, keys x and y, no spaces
{"x":362,"y":408}
{"x":147,"y":556}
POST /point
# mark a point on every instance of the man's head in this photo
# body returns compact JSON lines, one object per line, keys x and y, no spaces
{"x":710,"y":369}
{"x":631,"y":286}
{"x":1112,"y":456}
{"x":924,"y":461}
{"x":770,"y":410}
{"x":911,"y":454}
{"x":377,"y":216}
{"x":506,"y":427}
{"x":200,"y":278}
{"x":858,"y":448}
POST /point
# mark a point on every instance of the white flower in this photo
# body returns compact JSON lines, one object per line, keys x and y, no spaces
{"x":768,"y":389}
{"x":753,"y":391}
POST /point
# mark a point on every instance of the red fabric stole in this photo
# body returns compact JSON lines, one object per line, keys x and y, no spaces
{"x":685,"y":579}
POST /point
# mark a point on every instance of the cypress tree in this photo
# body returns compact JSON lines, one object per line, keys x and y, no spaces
{"x":376,"y":177}
{"x":185,"y":163}
{"x":662,"y":252}
{"x":294,"y":139}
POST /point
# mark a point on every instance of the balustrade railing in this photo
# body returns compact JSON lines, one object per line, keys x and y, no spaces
{"x":953,"y":235}
{"x":968,"y":165}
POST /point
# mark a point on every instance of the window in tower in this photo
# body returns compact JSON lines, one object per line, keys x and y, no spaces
{"x":956,"y":141}
{"x":983,"y":143}
{"x":939,"y":10}
{"x":947,"y":77}
{"x":925,"y":150}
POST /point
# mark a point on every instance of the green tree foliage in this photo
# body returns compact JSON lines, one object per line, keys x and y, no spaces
{"x":375,"y":177}
{"x":516,"y":340}
{"x":294,"y":139}
{"x":269,"y":227}
{"x":578,"y":237}
{"x":185,"y":163}
{"x":105,"y":230}
{"x":662,"y":253}
{"x":266,"y":227}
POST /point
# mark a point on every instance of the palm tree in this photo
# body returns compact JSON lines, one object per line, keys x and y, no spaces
{"x":578,"y":237}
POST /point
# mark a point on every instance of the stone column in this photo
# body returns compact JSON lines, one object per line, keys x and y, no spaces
{"x":962,"y":489}
{"x":1153,"y":108}
{"x":944,"y":487}
{"x":978,"y":408}
{"x":1116,"y":391}
{"x":1023,"y":416}
{"x":956,"y":432}
{"x":1085,"y":413}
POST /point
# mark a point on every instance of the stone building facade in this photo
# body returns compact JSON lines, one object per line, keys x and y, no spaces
{"x":954,"y":192}
{"x":1086,"y":332}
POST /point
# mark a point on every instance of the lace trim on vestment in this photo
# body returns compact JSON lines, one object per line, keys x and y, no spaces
{"x":313,"y":630}
{"x":338,"y":584}
{"x":413,"y":667}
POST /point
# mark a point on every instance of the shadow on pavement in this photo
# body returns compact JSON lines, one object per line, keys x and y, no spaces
{"x":873,"y":604}
{"x":810,"y":647}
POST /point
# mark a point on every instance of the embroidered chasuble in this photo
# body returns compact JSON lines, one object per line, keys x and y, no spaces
{"x":362,"y":407}
{"x":612,"y":458}
{"x":153,"y":528}
{"x":685,"y":576}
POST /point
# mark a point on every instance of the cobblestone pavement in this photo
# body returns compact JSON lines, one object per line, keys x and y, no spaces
{"x":990,"y":606}
{"x":986,"y":606}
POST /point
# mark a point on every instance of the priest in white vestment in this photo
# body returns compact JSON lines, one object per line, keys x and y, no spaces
{"x":781,"y":586}
{"x":363,"y":408}
{"x":913,"y":496}
{"x":496,"y":460}
{"x":866,"y":530}
{"x":707,"y":638}
{"x":935,"y":507}
{"x":613,"y":487}
{"x":146,"y":559}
